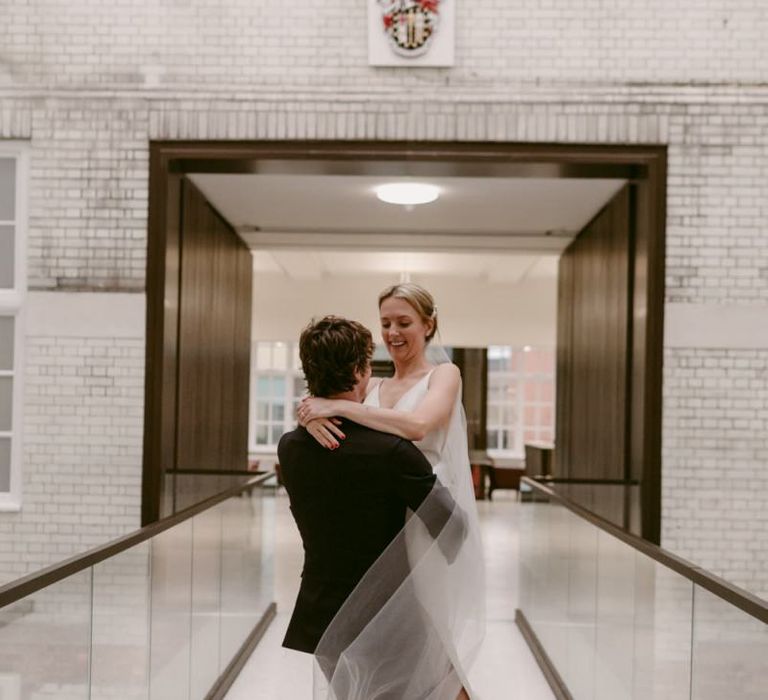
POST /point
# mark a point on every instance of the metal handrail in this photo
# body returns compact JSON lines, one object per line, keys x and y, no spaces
{"x":22,"y":587}
{"x":740,"y":598}
{"x":547,"y":479}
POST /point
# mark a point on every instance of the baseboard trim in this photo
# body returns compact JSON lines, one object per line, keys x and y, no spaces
{"x":228,"y":675}
{"x":542,"y":658}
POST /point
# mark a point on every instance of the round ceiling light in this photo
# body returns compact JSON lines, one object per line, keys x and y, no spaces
{"x":407,"y":193}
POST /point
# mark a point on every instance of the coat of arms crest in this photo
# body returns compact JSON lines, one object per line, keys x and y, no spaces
{"x":410,"y":24}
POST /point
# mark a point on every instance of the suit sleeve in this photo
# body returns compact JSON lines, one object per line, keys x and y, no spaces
{"x":416,"y":481}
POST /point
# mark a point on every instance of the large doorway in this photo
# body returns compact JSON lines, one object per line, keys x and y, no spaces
{"x":521,"y":172}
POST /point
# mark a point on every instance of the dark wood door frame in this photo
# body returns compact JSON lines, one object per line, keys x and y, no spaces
{"x":644,"y":166}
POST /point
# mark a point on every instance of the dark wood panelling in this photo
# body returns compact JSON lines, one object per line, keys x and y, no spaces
{"x":241,"y":365}
{"x":214,"y":345}
{"x":473,"y":364}
{"x":163,"y":250}
{"x":198,"y":345}
{"x":382,"y":368}
{"x":647,"y":333}
{"x":609,"y":357}
{"x":593,"y":347}
{"x":563,"y":366}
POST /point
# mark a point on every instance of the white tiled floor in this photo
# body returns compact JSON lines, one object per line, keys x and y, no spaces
{"x":505,"y":668}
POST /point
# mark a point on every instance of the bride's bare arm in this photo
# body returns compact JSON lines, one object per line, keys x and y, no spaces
{"x":433,"y":410}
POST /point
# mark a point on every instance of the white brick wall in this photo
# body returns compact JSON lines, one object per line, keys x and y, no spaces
{"x":90,"y":83}
{"x":240,"y":43}
{"x":83,"y":420}
{"x":88,"y":196}
{"x":89,"y":199}
{"x":716,"y":461}
{"x":82,"y":456}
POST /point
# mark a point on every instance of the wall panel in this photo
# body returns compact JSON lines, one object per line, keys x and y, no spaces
{"x":213,"y":355}
{"x":593,"y":347}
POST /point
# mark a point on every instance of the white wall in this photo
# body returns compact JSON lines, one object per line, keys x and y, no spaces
{"x":83,"y":420}
{"x":471,"y":313}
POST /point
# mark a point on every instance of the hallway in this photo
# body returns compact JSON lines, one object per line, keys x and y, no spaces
{"x":505,"y":669}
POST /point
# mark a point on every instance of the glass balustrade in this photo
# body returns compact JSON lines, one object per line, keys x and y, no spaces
{"x":730,"y":651}
{"x":45,"y":642}
{"x":162,"y":617}
{"x":159,"y":620}
{"x":121,"y":625}
{"x":615,"y":623}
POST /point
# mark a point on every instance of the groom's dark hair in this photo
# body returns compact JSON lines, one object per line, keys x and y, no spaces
{"x":331,"y":351}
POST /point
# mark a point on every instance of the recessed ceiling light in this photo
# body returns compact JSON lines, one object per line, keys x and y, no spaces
{"x":407,"y":193}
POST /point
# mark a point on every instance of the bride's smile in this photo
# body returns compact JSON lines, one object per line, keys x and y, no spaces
{"x":402,"y":329}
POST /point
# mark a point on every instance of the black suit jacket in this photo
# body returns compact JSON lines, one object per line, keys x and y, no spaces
{"x":349,"y":504}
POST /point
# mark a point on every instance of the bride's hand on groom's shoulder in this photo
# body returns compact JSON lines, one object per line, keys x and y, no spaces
{"x":326,"y":431}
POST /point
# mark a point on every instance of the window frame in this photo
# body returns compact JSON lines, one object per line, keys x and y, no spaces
{"x":520,"y":377}
{"x":290,"y":373}
{"x":12,"y":305}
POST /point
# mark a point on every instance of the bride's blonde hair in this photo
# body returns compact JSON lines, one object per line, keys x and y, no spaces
{"x":419,"y":298}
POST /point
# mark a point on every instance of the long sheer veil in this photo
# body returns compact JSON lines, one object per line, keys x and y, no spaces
{"x":413,"y":626}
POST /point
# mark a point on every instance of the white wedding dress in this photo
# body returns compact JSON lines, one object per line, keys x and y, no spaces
{"x":423,"y":612}
{"x":433,"y":443}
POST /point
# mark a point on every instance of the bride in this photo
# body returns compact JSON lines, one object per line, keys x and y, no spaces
{"x":426,"y":635}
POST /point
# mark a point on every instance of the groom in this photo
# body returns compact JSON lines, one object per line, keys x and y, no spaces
{"x":349,"y":503}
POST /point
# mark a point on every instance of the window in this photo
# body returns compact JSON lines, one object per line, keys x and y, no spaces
{"x":521,"y":398}
{"x":277,"y":385}
{"x":12,"y":291}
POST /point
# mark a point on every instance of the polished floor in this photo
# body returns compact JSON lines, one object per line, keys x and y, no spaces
{"x":505,"y":669}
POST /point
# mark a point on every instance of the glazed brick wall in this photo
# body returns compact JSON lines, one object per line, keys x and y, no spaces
{"x":82,"y":450}
{"x":321,"y":45}
{"x":716,"y":461}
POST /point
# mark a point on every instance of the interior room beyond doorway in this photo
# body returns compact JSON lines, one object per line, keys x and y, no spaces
{"x":487,"y":248}
{"x":212,"y":203}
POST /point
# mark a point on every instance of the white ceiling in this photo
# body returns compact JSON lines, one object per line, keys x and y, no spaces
{"x":495,"y":229}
